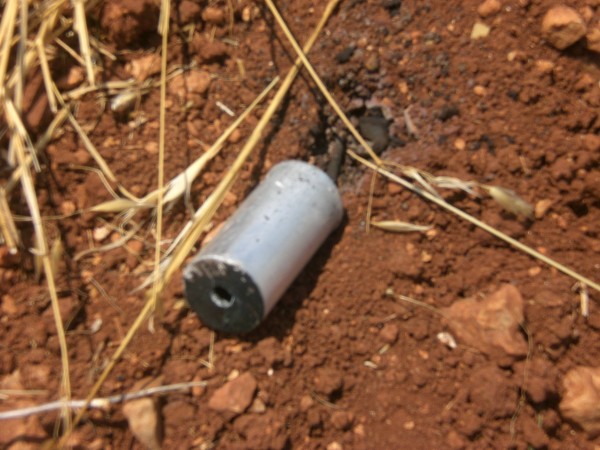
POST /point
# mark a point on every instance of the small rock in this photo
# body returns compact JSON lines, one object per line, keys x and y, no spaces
{"x":542,"y":207}
{"x":593,"y":39}
{"x":144,"y":67}
{"x":342,"y":420}
{"x":327,"y":381}
{"x":389,"y":333}
{"x":258,"y":406}
{"x":480,"y":30}
{"x":334,"y":446}
{"x":359,"y":430}
{"x":306,"y":402}
{"x":460,"y":144}
{"x":455,"y":441}
{"x":134,"y":248}
{"x":448,"y":111}
{"x":74,"y":78}
{"x":345,"y":55}
{"x":8,"y":259}
{"x":197,"y":81}
{"x":585,"y":83}
{"x":151,"y":147}
{"x":562,"y":26}
{"x":143,"y":419}
{"x":581,"y":399}
{"x":479,"y":90}
{"x":8,"y":306}
{"x":533,"y":434}
{"x":213,"y":15}
{"x":189,"y":11}
{"x":491,"y":325}
{"x":489,"y":8}
{"x":372,"y":62}
{"x":235,"y":396}
{"x":544,"y":66}
{"x":592,"y":142}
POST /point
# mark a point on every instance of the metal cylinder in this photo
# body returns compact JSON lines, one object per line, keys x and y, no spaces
{"x":238,"y":277}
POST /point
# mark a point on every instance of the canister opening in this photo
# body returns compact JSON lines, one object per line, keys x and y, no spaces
{"x":221,"y":297}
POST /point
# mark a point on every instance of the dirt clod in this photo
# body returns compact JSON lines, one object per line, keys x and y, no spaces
{"x":581,"y":400}
{"x":143,"y":418}
{"x":235,"y":396}
{"x":489,"y":8}
{"x":490,"y":325}
{"x":563,"y":26}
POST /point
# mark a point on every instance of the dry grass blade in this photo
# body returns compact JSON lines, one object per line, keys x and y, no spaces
{"x":7,"y":26}
{"x":40,"y":41}
{"x":80,"y":26}
{"x":43,"y":252}
{"x":484,"y":226}
{"x":163,"y":29}
{"x":8,"y":230}
{"x":397,"y":226}
{"x":20,"y":62}
{"x":320,"y":84}
{"x":204,"y":215}
{"x":16,"y":124}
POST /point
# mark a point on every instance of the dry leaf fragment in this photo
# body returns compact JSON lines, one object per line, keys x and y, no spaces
{"x":397,"y":226}
{"x":510,"y":201}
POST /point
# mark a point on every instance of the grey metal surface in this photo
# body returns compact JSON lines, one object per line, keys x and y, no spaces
{"x":239,"y":276}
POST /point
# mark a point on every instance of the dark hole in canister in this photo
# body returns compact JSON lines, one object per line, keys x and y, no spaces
{"x":222,"y":297}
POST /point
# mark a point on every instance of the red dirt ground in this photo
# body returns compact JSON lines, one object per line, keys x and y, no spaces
{"x":508,"y":110}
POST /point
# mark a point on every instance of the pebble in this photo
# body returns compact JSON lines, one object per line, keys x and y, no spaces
{"x":334,"y":446}
{"x":544,"y":66}
{"x":235,"y":396}
{"x":491,"y":325}
{"x":144,"y":67}
{"x":448,"y":111}
{"x":593,"y":39}
{"x":135,"y":248}
{"x":258,"y":406}
{"x":581,"y":398}
{"x":197,"y":81}
{"x":74,"y":78}
{"x":8,"y":306}
{"x":151,"y":147}
{"x":542,"y":207}
{"x":342,"y":420}
{"x":213,"y":15}
{"x":8,"y":259}
{"x":563,"y":26}
{"x":480,"y":30}
{"x":188,"y":11}
{"x":585,"y":83}
{"x":479,"y":90}
{"x":592,"y":142}
{"x":142,"y":416}
{"x":489,"y":8}
{"x":389,"y":333}
{"x":327,"y":381}
{"x":372,"y":62}
{"x":460,"y":144}
{"x":306,"y":402}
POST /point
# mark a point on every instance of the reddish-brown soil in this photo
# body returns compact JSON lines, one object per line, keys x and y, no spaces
{"x":339,"y":363}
